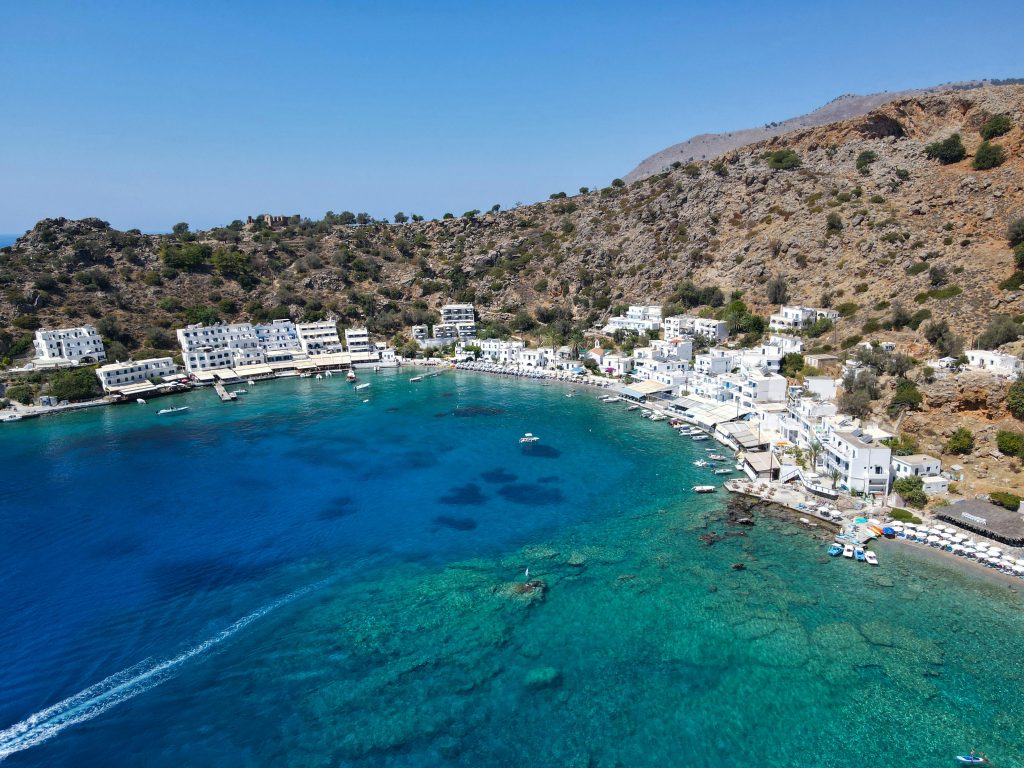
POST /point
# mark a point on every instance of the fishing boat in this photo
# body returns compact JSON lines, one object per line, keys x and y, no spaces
{"x":364,"y":385}
{"x":633,"y":408}
{"x":871,"y":557}
{"x":658,"y":417}
{"x":529,"y":437}
{"x":351,"y":375}
{"x":703,"y":489}
{"x":416,"y":378}
{"x":835,"y":549}
{"x":848,"y":551}
{"x":716,"y":457}
{"x":179,"y":409}
{"x":859,"y":554}
{"x":701,"y":463}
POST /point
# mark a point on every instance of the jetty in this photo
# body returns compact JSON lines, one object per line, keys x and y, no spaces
{"x":222,"y":392}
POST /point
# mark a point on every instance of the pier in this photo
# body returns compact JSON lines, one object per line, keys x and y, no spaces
{"x":222,"y":392}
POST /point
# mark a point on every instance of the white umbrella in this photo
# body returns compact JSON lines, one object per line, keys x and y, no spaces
{"x":1020,"y":561}
{"x":957,"y":548}
{"x":932,"y":539}
{"x":995,"y":551}
{"x":1006,"y":560}
{"x":1018,"y":568}
{"x":959,"y":537}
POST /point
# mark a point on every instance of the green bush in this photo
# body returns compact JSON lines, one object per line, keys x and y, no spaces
{"x":911,"y":490}
{"x":1015,"y":232}
{"x":917,"y":268}
{"x":75,"y":384}
{"x":907,"y":397}
{"x":190,"y":257}
{"x":864,"y":161}
{"x":22,"y":393}
{"x":1015,"y":399}
{"x":833,"y":223}
{"x":948,"y":151}
{"x":997,"y":125}
{"x":987,"y":156}
{"x":783,"y":160}
{"x":961,"y":442}
{"x":792,"y":364}
{"x":904,"y":516}
{"x":1004,"y":499}
{"x":1010,"y":443}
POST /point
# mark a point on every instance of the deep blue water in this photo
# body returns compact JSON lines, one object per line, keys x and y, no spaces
{"x":6,"y":240}
{"x":303,"y":578}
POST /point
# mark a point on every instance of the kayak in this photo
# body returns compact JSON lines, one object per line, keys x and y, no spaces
{"x":970,"y":759}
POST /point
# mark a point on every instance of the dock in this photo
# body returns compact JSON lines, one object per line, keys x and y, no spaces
{"x":222,"y":392}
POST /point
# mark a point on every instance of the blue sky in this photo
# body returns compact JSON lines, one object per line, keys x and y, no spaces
{"x":149,"y":113}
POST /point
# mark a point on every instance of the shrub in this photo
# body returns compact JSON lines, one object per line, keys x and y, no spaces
{"x":792,"y":364}
{"x":907,"y":397}
{"x":1018,"y":255}
{"x":1015,"y":232}
{"x":1010,"y":443}
{"x":997,"y":125}
{"x":618,"y":183}
{"x":75,"y":384}
{"x":1009,"y":500}
{"x":987,"y":156}
{"x":783,"y":160}
{"x":948,"y":151}
{"x":190,"y":257}
{"x":778,"y":290}
{"x":833,"y":223}
{"x":917,"y":268}
{"x":864,"y":161}
{"x":22,"y":393}
{"x":847,"y":309}
{"x":856,"y":403}
{"x":1015,"y":399}
{"x":904,"y":516}
{"x":961,"y":442}
{"x":911,"y":490}
{"x":1001,"y":330}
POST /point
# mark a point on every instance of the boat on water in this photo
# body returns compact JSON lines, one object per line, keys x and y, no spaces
{"x":723,"y":471}
{"x":859,"y":554}
{"x":240,"y":392}
{"x":971,"y":759}
{"x":416,"y":378}
{"x":351,"y":375}
{"x":12,"y":417}
{"x":659,"y":417}
{"x":703,"y":489}
{"x":835,"y":549}
{"x":610,"y":399}
{"x":305,"y":375}
{"x":698,"y":438}
{"x":529,"y":437}
{"x":179,"y":409}
{"x":871,"y":557}
{"x":848,"y":551}
{"x":716,"y":457}
{"x":633,"y":407}
{"x":364,"y":385}
{"x":140,"y":401}
{"x":251,"y":382}
{"x":701,"y":463}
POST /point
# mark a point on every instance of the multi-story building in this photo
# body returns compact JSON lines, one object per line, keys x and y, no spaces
{"x":358,"y":340}
{"x":803,"y":424}
{"x":709,"y":328}
{"x":458,"y":313}
{"x":277,"y":335}
{"x":224,"y":345}
{"x":797,"y":317}
{"x":498,"y":351}
{"x":69,"y":345}
{"x":639,"y":318}
{"x":119,"y":375}
{"x":420,"y":332}
{"x":319,"y":337}
{"x":915,"y":465}
{"x":856,"y":454}
{"x":446,"y":331}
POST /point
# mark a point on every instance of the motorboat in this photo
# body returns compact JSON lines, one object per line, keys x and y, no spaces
{"x":871,"y":558}
{"x":633,"y":407}
{"x":179,"y":409}
{"x":835,"y":549}
{"x":351,"y":375}
{"x":529,"y":437}
{"x":701,"y":463}
{"x":416,"y":378}
{"x":658,"y":417}
{"x":848,"y":551}
{"x":305,"y":375}
{"x":860,"y":555}
{"x":716,"y":457}
{"x":723,"y":471}
{"x":698,"y":438}
{"x":140,"y":401}
{"x":703,"y":489}
{"x":364,"y":385}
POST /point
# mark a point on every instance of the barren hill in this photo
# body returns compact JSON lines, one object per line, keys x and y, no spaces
{"x":561,"y":265}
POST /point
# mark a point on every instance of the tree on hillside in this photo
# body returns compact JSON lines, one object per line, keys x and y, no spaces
{"x":783,"y":160}
{"x":401,"y":218}
{"x":987,"y":156}
{"x":1015,"y":232}
{"x":997,"y":125}
{"x":1015,"y":398}
{"x":180,"y":228}
{"x":946,"y":343}
{"x":947,"y":151}
{"x":961,"y":442}
{"x":778,"y":290}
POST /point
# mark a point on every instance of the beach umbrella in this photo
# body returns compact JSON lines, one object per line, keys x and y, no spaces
{"x":1018,"y":568}
{"x":957,"y":548}
{"x":1020,"y":561}
{"x":959,"y":537}
{"x":995,"y":551}
{"x":932,"y":538}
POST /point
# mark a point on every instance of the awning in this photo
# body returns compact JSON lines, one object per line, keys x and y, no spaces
{"x":208,"y":376}
{"x":246,"y":371}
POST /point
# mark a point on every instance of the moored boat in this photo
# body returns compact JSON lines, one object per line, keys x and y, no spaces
{"x":416,"y":378}
{"x":179,"y":409}
{"x":701,"y":463}
{"x":848,"y":551}
{"x":364,"y":385}
{"x":971,"y":759}
{"x":859,"y":554}
{"x":871,"y":558}
{"x":835,"y":549}
{"x":703,"y":489}
{"x":529,"y":437}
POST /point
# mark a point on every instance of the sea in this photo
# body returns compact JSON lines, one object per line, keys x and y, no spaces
{"x":316,"y":575}
{"x":6,"y":240}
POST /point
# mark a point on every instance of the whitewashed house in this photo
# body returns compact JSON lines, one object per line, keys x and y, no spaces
{"x":224,"y":345}
{"x":998,"y":363}
{"x":857,"y":454}
{"x":680,"y":325}
{"x":790,"y":318}
{"x":69,"y":346}
{"x":319,"y":337}
{"x":639,"y":317}
{"x":786,"y":343}
{"x":358,"y":340}
{"x":277,"y":335}
{"x":502,"y":352}
{"x":916,"y":465}
{"x":114,"y":376}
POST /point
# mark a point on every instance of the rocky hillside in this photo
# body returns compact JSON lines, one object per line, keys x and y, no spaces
{"x":895,"y":228}
{"x":709,"y":146}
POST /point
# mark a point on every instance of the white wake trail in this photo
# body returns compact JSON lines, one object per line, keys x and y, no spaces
{"x":119,"y":687}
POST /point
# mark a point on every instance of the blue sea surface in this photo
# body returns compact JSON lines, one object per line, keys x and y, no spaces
{"x":315,"y":576}
{"x":6,"y":240}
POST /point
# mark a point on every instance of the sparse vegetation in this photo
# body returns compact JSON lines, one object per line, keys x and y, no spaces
{"x":783,"y":160}
{"x":997,"y":125}
{"x":987,"y":156}
{"x":961,"y":442}
{"x":947,"y":151}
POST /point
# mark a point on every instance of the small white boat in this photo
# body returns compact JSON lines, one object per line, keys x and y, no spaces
{"x":364,"y":385}
{"x":698,"y":438}
{"x":659,"y":417}
{"x":240,"y":392}
{"x":351,"y":375}
{"x":416,"y":378}
{"x":971,"y":759}
{"x":305,"y":375}
{"x":703,"y":489}
{"x":633,"y":407}
{"x":848,"y":551}
{"x":701,"y":463}
{"x":328,"y":374}
{"x":179,"y":409}
{"x":251,"y":382}
{"x":871,"y":557}
{"x":723,"y":471}
{"x":319,"y":377}
{"x":529,"y":437}
{"x":716,"y":457}
{"x":140,"y":401}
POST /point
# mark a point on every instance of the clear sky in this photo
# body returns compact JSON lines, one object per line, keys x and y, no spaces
{"x":148,"y":113}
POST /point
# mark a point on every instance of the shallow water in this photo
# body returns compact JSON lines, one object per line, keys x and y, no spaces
{"x":319,"y":581}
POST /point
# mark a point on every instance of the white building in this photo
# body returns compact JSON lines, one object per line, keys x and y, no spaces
{"x":822,"y":387}
{"x":277,"y":335}
{"x":639,"y":318}
{"x":420,"y":332}
{"x":678,"y":325}
{"x":533,"y":358}
{"x":857,"y":454}
{"x":224,"y":345}
{"x":797,"y":317}
{"x":69,"y":345}
{"x":319,"y":337}
{"x":804,"y":422}
{"x":498,"y":351}
{"x":458,"y":313}
{"x":358,"y":340}
{"x":916,"y":465}
{"x":786,"y":344}
{"x":118,"y":375}
{"x":998,"y":363}
{"x":616,"y":365}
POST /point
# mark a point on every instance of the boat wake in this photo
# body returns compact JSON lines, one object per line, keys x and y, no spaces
{"x":121,"y":686}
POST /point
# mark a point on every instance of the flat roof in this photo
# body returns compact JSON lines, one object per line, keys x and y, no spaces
{"x":987,"y":519}
{"x":206,"y":375}
{"x":915,"y":458}
{"x":761,"y":461}
{"x":741,"y":434}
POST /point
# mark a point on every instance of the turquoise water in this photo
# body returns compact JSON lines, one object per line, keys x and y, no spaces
{"x":305,"y":579}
